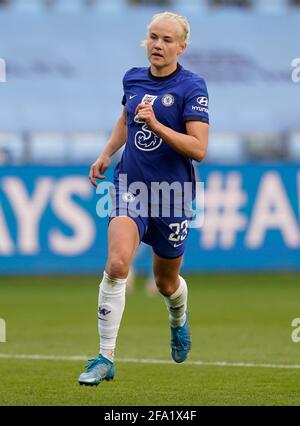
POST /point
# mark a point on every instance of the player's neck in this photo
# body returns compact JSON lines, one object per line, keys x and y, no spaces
{"x":163,"y":72}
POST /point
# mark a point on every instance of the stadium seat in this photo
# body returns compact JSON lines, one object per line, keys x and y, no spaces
{"x":271,"y":6}
{"x":70,"y":6}
{"x":263,"y":145}
{"x":190,"y":5}
{"x":84,"y":148}
{"x":234,"y":151}
{"x":28,"y":5}
{"x":110,"y":6}
{"x":48,"y":148}
{"x":294,"y":146}
{"x":11,"y":148}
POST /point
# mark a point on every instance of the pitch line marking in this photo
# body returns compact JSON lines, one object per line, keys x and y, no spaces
{"x":40,"y":357}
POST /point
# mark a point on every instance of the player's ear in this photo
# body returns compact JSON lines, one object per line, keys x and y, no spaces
{"x":181,"y":47}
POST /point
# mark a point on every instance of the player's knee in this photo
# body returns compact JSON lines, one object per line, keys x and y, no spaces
{"x":117,"y":267}
{"x":164,"y":285}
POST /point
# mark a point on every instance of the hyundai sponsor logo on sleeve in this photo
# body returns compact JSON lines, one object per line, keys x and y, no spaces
{"x":199,"y":109}
{"x":202,"y":100}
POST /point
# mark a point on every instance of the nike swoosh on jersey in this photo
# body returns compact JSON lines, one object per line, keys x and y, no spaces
{"x":132,"y":96}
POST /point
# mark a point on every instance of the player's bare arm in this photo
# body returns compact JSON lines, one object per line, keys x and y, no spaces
{"x":193,"y":144}
{"x":115,"y":142}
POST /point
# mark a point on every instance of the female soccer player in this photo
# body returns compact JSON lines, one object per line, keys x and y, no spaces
{"x":164,"y":124}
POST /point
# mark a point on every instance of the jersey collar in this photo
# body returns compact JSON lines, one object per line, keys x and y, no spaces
{"x":166,"y":77}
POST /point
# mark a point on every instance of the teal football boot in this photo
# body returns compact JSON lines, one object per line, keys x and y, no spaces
{"x":180,"y":341}
{"x":97,"y":370}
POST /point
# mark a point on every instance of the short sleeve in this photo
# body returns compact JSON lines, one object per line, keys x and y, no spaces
{"x":125,"y":85}
{"x":196,"y":102}
{"x":124,"y":89}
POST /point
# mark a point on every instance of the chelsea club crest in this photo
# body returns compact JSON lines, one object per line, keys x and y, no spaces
{"x":168,"y":100}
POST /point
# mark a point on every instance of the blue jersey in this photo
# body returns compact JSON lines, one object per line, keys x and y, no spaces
{"x":177,"y":98}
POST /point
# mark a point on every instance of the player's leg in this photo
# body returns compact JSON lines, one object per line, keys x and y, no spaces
{"x":166,"y":274}
{"x":174,"y":290}
{"x":172,"y":286}
{"x":123,"y":240}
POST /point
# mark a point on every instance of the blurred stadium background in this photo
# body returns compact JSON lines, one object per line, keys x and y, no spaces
{"x":59,"y":98}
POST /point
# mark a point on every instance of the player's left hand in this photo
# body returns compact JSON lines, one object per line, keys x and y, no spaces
{"x":145,"y":113}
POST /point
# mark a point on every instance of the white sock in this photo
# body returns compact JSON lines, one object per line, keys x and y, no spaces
{"x":111,"y":305}
{"x":177,"y":304}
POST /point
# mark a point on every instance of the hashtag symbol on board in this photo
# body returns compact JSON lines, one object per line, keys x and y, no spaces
{"x":223,"y":220}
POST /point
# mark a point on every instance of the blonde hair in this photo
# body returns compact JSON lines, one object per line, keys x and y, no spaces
{"x":180,"y":20}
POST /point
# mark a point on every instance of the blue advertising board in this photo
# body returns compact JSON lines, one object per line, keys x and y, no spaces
{"x":49,"y":224}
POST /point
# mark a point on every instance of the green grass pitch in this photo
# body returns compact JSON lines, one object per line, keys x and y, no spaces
{"x":234,"y":318}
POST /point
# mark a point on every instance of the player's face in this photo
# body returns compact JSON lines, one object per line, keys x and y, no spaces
{"x":164,"y":44}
